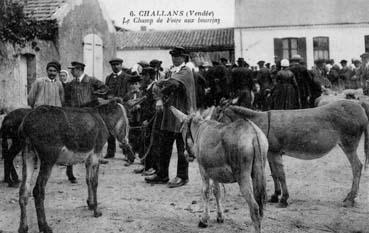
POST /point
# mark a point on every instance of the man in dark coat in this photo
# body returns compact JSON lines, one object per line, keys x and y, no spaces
{"x":84,"y":89}
{"x":303,"y":80}
{"x":178,"y":91}
{"x":264,"y":79}
{"x":117,"y":84}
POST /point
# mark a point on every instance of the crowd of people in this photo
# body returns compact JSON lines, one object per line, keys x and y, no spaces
{"x":147,"y":92}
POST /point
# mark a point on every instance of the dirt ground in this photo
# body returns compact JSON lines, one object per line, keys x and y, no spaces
{"x":316,"y":188}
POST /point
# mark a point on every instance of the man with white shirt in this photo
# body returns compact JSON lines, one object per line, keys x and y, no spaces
{"x":117,"y":84}
{"x":178,"y":91}
{"x":84,"y":89}
{"x":47,"y":90}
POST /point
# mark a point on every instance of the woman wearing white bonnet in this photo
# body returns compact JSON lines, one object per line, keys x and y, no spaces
{"x":64,"y":76}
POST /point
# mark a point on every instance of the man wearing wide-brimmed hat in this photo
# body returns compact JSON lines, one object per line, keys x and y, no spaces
{"x":84,"y":89}
{"x":48,"y":90}
{"x":178,"y":91}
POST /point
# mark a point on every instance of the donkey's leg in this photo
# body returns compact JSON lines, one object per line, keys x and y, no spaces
{"x":15,"y":148}
{"x":39,"y":195}
{"x":70,"y":175}
{"x":27,"y":172}
{"x":279,"y":172}
{"x":247,"y":192}
{"x":218,"y":197}
{"x":205,"y":197}
{"x":92,"y":174}
{"x":356,"y":166}
{"x":277,"y":188}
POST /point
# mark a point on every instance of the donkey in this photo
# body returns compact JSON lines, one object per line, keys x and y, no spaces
{"x":9,"y":130}
{"x":228,"y":153}
{"x":67,"y":136}
{"x":308,"y":134}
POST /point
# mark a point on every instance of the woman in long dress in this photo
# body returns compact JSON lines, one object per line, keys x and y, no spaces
{"x":285,"y":94}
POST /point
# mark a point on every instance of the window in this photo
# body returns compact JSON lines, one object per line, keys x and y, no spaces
{"x":287,"y":47}
{"x":321,"y":48}
{"x":93,"y":55}
{"x":366,"y":38}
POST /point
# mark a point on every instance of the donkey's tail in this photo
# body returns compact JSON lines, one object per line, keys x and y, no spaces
{"x":365,"y":105}
{"x":260,"y":145}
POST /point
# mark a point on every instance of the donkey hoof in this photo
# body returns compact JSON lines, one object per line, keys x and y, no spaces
{"x":220,"y":219}
{"x":23,"y":230}
{"x":273,"y":199}
{"x":90,"y":206}
{"x":97,"y":213}
{"x":348,"y":203}
{"x":282,"y":204}
{"x":73,"y":180}
{"x":46,"y":229}
{"x":203,"y":224}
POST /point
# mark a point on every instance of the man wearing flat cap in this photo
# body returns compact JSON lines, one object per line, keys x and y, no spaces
{"x":84,"y":89}
{"x":178,"y":91}
{"x":117,"y":82}
{"x":47,"y":90}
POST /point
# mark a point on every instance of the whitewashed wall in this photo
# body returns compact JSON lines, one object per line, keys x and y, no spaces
{"x":131,"y":57}
{"x":345,"y":42}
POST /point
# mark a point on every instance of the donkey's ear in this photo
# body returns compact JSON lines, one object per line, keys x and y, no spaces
{"x":208,"y":113}
{"x":179,"y":115}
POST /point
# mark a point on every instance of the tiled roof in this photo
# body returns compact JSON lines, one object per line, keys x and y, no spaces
{"x":42,"y":9}
{"x":274,"y":13}
{"x":203,"y":40}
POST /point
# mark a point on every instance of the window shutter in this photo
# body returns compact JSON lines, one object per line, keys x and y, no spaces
{"x":366,"y":38}
{"x":278,"y":49}
{"x":301,"y":47}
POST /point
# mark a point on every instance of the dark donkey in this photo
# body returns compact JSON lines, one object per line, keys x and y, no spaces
{"x":67,"y":136}
{"x":309,"y":134}
{"x":9,"y":130}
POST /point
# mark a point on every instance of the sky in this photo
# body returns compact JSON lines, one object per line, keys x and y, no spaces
{"x":175,"y":14}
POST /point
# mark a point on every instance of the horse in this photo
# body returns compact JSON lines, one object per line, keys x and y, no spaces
{"x":67,"y":136}
{"x":228,"y":153}
{"x":9,"y":130}
{"x":308,"y":134}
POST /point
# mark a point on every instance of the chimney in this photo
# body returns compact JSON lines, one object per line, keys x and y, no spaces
{"x":143,"y":28}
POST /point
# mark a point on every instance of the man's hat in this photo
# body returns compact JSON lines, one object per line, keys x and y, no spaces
{"x":261,"y":62}
{"x":134,"y":79}
{"x":178,"y":51}
{"x":54,"y":64}
{"x":364,"y":55}
{"x":143,"y":63}
{"x":148,"y":70}
{"x":76,"y":64}
{"x":116,"y":60}
{"x":343,"y":61}
{"x":296,"y":57}
{"x":155,"y":63}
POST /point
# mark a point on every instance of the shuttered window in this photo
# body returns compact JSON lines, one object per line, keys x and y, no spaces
{"x":366,"y":39}
{"x":287,"y":47}
{"x":321,"y":48}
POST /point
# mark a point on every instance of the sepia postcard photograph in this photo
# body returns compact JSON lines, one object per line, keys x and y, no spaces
{"x":184,"y":116}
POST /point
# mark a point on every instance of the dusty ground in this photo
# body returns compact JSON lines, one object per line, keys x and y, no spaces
{"x":316,"y":187}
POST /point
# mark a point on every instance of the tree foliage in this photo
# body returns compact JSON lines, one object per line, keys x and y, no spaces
{"x":17,"y":28}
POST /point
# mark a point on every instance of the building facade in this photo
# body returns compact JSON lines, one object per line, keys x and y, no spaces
{"x":79,"y":37}
{"x":328,"y":29}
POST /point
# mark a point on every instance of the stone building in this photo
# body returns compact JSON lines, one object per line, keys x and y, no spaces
{"x":84,"y":33}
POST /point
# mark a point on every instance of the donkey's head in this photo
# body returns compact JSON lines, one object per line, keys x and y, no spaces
{"x":191,"y":123}
{"x":116,"y":120}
